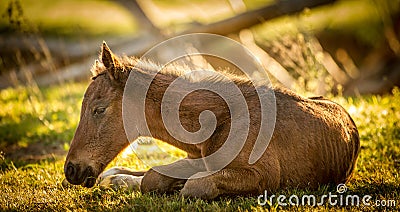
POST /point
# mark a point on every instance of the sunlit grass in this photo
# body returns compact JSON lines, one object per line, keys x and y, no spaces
{"x":70,"y":17}
{"x":46,"y":115}
{"x":99,"y":18}
{"x":37,"y":185}
{"x":362,"y":19}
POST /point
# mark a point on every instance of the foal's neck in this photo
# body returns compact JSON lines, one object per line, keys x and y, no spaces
{"x":153,"y":104}
{"x":190,"y":107}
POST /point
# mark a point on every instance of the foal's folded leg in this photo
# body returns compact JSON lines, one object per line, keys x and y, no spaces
{"x":156,"y":179}
{"x":229,"y":181}
{"x":121,"y":178}
{"x":153,"y":181}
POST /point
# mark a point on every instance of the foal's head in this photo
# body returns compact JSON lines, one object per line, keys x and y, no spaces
{"x":100,"y":135}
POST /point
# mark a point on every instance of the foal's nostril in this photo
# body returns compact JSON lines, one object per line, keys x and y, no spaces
{"x":70,"y":170}
{"x":77,"y":174}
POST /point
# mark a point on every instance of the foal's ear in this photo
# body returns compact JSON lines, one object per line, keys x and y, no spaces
{"x":110,"y":61}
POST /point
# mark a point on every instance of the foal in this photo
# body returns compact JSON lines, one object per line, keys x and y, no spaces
{"x":314,"y":141}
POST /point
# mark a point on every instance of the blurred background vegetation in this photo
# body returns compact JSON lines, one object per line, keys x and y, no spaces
{"x":342,"y":46}
{"x":347,"y":50}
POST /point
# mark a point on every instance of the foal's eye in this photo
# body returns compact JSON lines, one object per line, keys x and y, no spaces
{"x":99,"y":110}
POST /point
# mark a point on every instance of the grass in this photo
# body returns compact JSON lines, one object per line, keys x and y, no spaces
{"x":68,"y":18}
{"x":31,"y":115}
{"x":362,"y":19}
{"x":49,"y":115}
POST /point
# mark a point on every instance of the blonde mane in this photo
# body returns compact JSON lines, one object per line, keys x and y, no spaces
{"x":127,"y":64}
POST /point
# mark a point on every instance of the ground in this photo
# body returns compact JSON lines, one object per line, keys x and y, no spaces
{"x":37,"y":124}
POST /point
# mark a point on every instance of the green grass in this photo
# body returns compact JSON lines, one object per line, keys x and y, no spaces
{"x":31,"y":115}
{"x":69,"y":18}
{"x":49,"y":115}
{"x":362,"y":19}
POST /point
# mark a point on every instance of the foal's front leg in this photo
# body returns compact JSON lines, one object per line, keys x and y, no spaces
{"x":121,"y":177}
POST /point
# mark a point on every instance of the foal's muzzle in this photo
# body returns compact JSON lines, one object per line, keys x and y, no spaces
{"x":78,"y":175}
